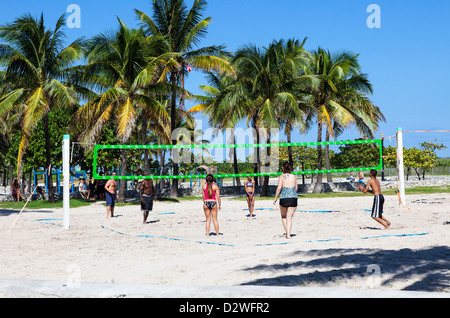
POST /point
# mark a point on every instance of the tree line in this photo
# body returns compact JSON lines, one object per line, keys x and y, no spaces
{"x":129,"y":88}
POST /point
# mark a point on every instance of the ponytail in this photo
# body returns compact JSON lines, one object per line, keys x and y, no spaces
{"x":209,"y":181}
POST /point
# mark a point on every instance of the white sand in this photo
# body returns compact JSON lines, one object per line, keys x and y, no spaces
{"x":96,"y":249}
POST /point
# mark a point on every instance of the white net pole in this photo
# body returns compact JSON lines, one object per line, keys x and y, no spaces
{"x":66,"y":182}
{"x":401,"y":172}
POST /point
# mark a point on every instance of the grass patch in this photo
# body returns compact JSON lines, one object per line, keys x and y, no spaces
{"x":416,"y":190}
{"x":43,"y":204}
{"x":428,"y":190}
{"x":170,"y":200}
{"x":75,"y":203}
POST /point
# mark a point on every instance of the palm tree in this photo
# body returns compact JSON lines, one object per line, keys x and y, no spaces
{"x":37,"y":67}
{"x":222,"y":111}
{"x":9,"y":123}
{"x":183,"y":29}
{"x":125,"y":67}
{"x":273,"y":79}
{"x":340,"y":99}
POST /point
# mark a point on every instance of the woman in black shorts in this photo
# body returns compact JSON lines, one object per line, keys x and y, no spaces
{"x":287,"y":190}
{"x":211,"y":198}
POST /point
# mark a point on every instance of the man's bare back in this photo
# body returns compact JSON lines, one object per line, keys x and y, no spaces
{"x":375,"y":185}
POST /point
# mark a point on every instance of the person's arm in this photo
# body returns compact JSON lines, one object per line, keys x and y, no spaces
{"x":154,"y":190}
{"x":366,"y":189}
{"x":280,"y":185}
{"x":219,"y":200}
{"x":203,"y":191}
{"x":141,"y":190}
{"x":107,"y":186}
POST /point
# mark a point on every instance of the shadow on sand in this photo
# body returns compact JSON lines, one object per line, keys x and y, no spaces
{"x":429,"y":268}
{"x":7,"y":212}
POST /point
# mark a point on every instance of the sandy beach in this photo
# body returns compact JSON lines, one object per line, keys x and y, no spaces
{"x":344,"y":248}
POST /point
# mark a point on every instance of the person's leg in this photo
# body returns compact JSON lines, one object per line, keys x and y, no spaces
{"x":388,"y":224}
{"x":386,"y":220}
{"x":283,"y":211}
{"x":214,"y":219}
{"x":253,"y":203}
{"x":113,"y":196}
{"x":146,"y":207}
{"x":382,"y":222}
{"x":249,"y":203}
{"x":289,"y":216}
{"x":208,"y":218}
{"x":145,"y":213}
{"x":377,"y":210}
{"x":108,"y":205}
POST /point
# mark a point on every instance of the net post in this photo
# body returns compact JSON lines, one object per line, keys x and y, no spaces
{"x":401,"y":172}
{"x":66,"y":182}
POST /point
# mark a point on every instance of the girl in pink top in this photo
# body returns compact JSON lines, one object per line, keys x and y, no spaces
{"x":211,"y":197}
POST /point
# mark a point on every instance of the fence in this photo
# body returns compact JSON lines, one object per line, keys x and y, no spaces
{"x":436,"y":171}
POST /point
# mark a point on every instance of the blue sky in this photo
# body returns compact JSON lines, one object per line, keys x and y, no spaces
{"x":407,"y":59}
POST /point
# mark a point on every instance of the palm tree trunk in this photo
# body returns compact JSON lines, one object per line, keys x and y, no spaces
{"x":327,"y":157}
{"x":235,"y":164}
{"x":30,"y":180}
{"x":265,"y":189}
{"x":291,"y":160}
{"x":173,"y":126}
{"x":146,"y":161}
{"x":258,"y":155}
{"x":10,"y":175}
{"x":123,"y":183}
{"x":4,"y":178}
{"x":318,"y":185}
{"x":161,"y":166}
{"x":256,"y":150}
{"x":51,"y":195}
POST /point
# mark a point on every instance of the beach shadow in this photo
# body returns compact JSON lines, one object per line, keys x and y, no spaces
{"x":430,"y":268}
{"x":370,"y":228}
{"x":7,"y":212}
{"x":151,"y":222}
{"x":172,"y":200}
{"x":214,"y":234}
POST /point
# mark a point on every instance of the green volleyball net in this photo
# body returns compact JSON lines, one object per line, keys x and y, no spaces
{"x":345,"y":156}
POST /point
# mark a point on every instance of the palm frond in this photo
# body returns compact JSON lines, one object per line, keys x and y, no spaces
{"x":125,"y":118}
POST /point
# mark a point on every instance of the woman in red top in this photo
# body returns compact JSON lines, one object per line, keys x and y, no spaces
{"x":211,"y":197}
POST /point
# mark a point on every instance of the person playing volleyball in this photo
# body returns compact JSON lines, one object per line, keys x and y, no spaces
{"x":147,"y":194}
{"x":111,"y":196}
{"x":287,"y":190}
{"x":378,"y":200}
{"x":211,"y":197}
{"x":250,"y":191}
